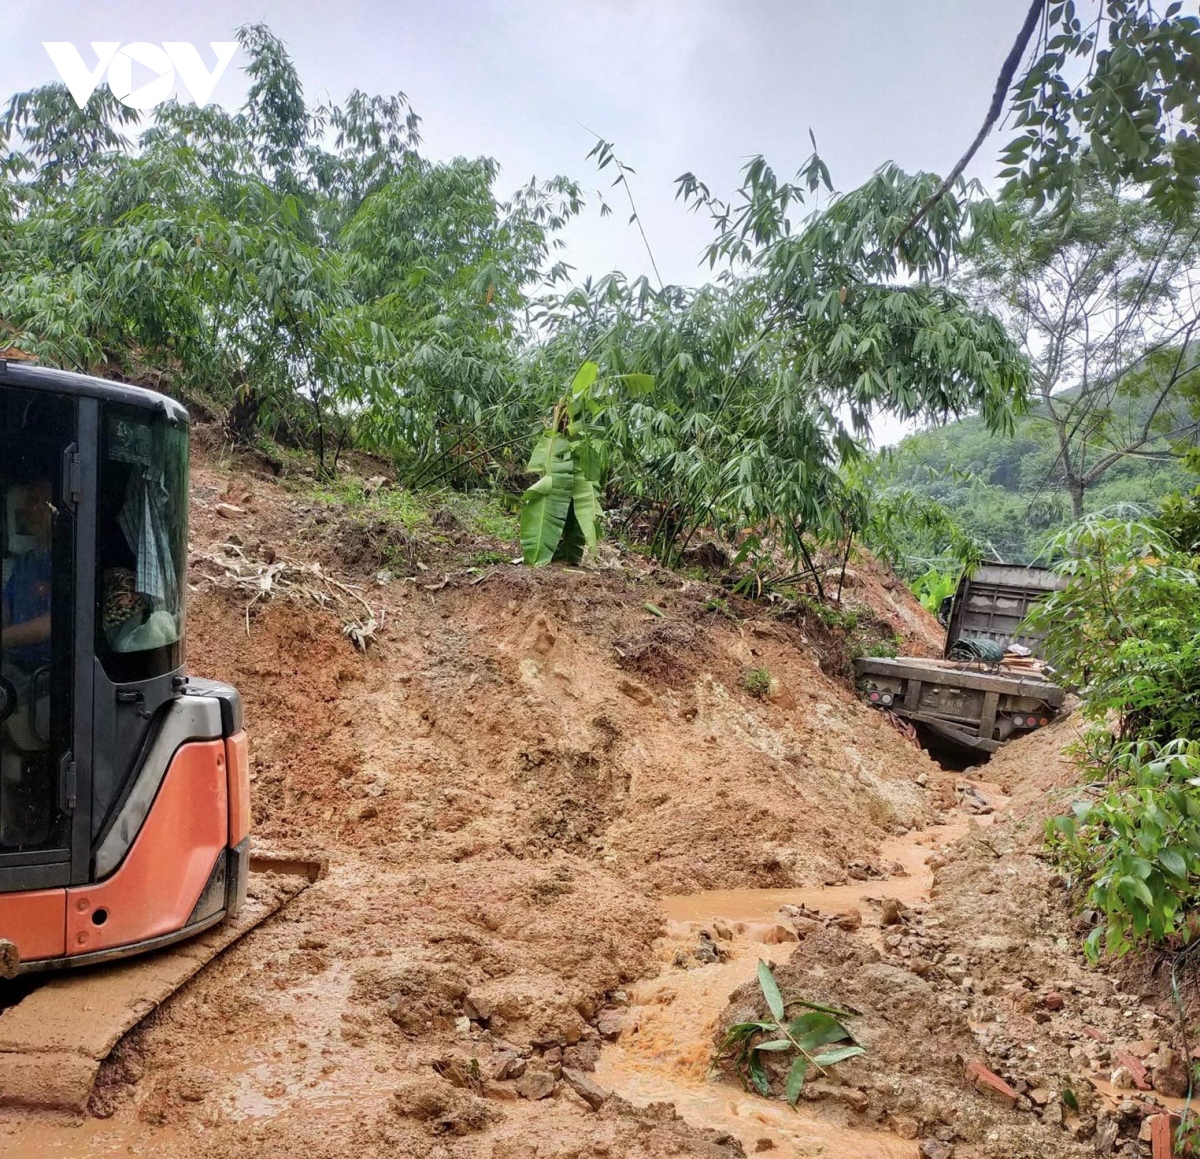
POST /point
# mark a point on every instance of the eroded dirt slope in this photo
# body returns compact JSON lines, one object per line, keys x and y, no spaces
{"x":504,"y":783}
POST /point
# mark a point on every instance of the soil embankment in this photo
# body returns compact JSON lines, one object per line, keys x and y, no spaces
{"x":511,"y":784}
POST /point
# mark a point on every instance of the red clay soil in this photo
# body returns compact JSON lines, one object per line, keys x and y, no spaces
{"x":504,"y":783}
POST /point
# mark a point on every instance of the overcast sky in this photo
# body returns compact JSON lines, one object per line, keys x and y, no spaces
{"x":700,"y":85}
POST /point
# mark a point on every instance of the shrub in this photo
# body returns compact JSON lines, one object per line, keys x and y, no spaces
{"x":1126,"y":630}
{"x":757,"y":682}
{"x":1135,"y":850}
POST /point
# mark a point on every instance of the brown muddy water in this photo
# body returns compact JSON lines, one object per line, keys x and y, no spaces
{"x":665,"y":1051}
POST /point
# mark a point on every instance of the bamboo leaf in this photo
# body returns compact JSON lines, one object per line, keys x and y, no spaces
{"x":795,"y":1079}
{"x":832,"y":1057}
{"x":770,"y":990}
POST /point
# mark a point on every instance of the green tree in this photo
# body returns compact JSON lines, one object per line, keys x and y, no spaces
{"x":1106,"y":307}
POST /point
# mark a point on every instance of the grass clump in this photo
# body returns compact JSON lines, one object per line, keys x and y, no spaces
{"x":757,"y":682}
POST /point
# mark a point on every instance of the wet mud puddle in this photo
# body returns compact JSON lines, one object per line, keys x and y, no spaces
{"x":666,"y":1047}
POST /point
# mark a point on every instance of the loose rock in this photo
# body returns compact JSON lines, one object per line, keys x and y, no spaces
{"x":535,"y":1083}
{"x":594,"y":1095}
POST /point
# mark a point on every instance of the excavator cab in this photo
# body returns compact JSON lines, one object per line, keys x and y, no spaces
{"x":124,"y":794}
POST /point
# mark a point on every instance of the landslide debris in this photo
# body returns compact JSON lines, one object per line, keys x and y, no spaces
{"x":504,"y":783}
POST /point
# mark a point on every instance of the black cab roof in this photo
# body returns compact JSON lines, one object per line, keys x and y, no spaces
{"x":30,"y":376}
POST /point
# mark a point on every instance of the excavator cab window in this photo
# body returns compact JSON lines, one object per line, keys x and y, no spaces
{"x":37,"y":553}
{"x":141,"y":544}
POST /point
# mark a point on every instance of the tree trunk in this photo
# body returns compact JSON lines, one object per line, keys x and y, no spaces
{"x":243,"y":415}
{"x":1075,"y":487}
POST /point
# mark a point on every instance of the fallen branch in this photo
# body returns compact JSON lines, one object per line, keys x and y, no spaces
{"x":1003,"y":84}
{"x":297,"y":581}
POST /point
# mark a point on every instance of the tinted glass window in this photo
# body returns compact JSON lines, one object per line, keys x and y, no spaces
{"x":141,"y":544}
{"x":36,"y":617}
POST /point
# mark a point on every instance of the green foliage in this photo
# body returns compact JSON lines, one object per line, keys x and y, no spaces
{"x":1111,"y":86}
{"x":757,"y":682}
{"x":1004,"y":494}
{"x":1179,"y":519}
{"x":1126,"y":630}
{"x":302,"y":270}
{"x":887,"y":649}
{"x":1105,"y":305}
{"x":560,"y":511}
{"x":767,"y":379}
{"x":747,"y":1046}
{"x":1135,"y":849}
{"x":934,"y":587}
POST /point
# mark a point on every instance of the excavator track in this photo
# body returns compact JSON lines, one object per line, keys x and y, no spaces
{"x":53,"y":1040}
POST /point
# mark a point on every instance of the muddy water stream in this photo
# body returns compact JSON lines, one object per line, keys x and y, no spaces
{"x":664,"y":1052}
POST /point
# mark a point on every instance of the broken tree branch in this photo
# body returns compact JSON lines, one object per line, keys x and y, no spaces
{"x":1003,"y":83}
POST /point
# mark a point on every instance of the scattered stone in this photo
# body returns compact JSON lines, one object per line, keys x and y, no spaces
{"x":891,"y":911}
{"x":194,"y":1085}
{"x":507,"y":1066}
{"x":476,"y":1008}
{"x":1170,"y":1075}
{"x":1107,"y":1131}
{"x":1121,"y":1078}
{"x":1038,"y":1096}
{"x":1053,"y":1001}
{"x":905,"y":1127}
{"x":764,"y":1144}
{"x":855,"y":1099}
{"x":707,"y":951}
{"x":636,"y":692}
{"x":795,"y":912}
{"x":582,"y":1056}
{"x":848,"y":921}
{"x":443,"y":1109}
{"x":535,"y":1083}
{"x":498,"y":1090}
{"x":229,"y":510}
{"x":722,"y":931}
{"x":973,"y":801}
{"x":936,"y":1149}
{"x":1137,"y":1072}
{"x":989,"y":1083}
{"x":609,"y":1023}
{"x":595,"y":1096}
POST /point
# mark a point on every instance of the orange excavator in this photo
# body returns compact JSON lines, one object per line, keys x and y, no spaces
{"x":124,"y":782}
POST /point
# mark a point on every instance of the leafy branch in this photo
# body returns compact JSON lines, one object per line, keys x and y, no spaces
{"x":745,"y":1043}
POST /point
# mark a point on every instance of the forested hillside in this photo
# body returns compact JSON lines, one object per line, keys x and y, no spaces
{"x":1007,"y":491}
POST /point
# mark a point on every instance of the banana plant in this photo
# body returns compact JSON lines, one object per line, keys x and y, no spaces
{"x":560,"y":511}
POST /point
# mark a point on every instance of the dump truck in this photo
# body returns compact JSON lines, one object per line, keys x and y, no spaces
{"x":991,"y":683}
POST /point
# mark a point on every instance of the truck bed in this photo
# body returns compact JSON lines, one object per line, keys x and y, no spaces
{"x":972,"y":704}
